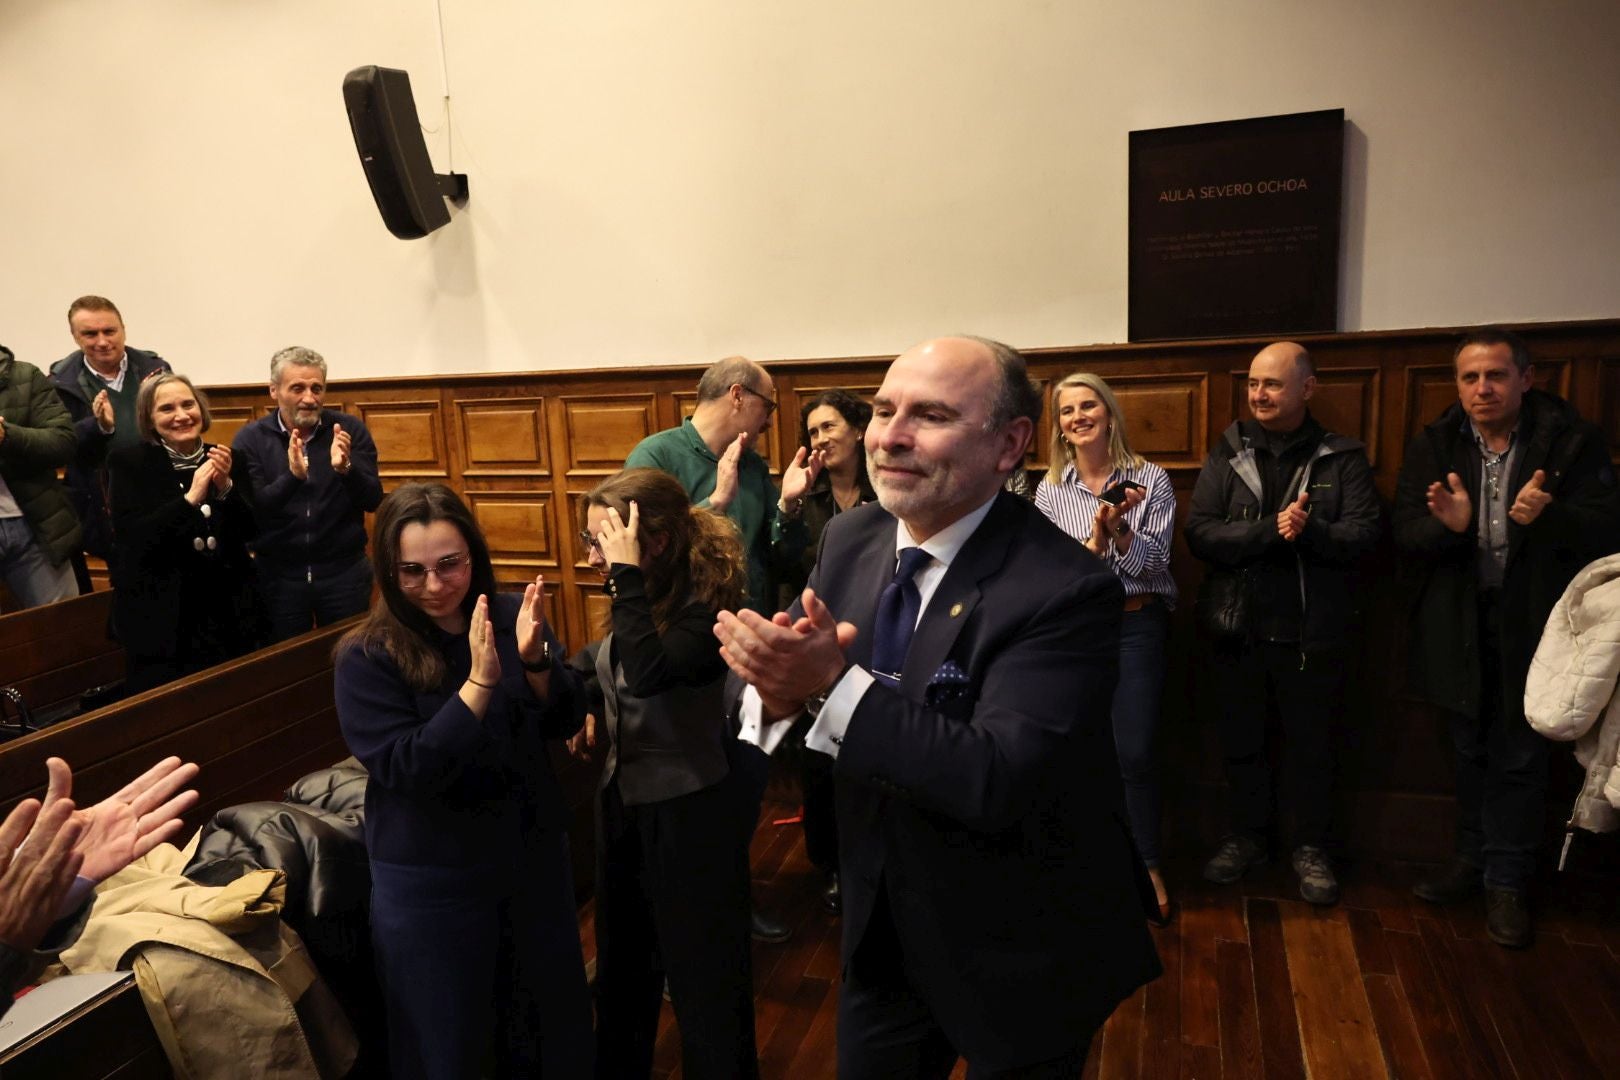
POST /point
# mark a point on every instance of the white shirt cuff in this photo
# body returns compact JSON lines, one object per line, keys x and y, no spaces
{"x":827,"y":733}
{"x":766,"y":735}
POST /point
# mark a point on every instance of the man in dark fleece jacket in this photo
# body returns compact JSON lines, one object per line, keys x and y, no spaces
{"x":1290,"y":510}
{"x":314,"y":475}
{"x":1501,"y":501}
{"x":97,"y":383}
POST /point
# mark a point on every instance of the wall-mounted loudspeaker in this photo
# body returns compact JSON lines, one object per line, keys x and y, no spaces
{"x":382,"y":115}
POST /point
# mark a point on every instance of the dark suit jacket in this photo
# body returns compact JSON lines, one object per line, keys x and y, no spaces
{"x":984,"y":797}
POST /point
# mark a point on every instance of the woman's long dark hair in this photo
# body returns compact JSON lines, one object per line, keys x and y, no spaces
{"x":856,"y":413}
{"x":703,"y":556}
{"x":395,"y":626}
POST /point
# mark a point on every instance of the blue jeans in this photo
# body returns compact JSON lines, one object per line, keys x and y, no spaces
{"x":1142,"y":639}
{"x":28,"y":573}
{"x":295,"y":603}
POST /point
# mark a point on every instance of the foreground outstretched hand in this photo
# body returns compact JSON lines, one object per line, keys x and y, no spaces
{"x":126,"y":825}
{"x":38,"y":863}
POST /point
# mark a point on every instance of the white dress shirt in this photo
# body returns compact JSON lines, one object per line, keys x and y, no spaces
{"x":827,"y":733}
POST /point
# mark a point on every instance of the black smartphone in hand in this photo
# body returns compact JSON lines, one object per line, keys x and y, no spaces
{"x":1115,"y":495}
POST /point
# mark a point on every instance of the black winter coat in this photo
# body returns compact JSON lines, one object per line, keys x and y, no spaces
{"x":174,"y":600}
{"x":1231,"y":527}
{"x":1439,"y":572}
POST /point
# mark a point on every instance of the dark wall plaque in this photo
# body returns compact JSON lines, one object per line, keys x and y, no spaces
{"x":1234,"y":227}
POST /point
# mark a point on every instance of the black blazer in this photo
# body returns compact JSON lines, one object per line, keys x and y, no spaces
{"x":984,"y":794}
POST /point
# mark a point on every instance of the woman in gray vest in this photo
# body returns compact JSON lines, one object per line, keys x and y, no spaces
{"x":672,"y":845}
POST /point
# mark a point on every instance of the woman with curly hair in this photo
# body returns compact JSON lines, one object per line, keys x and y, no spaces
{"x":672,"y":896}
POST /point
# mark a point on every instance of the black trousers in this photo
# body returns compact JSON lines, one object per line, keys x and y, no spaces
{"x":1306,"y":692}
{"x":886,"y":1030}
{"x":672,"y":901}
{"x":1501,"y":770}
{"x":463,"y":966}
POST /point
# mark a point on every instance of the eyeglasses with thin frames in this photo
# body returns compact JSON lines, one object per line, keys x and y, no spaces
{"x":413,"y":576}
{"x":589,"y":542}
{"x":770,"y":403}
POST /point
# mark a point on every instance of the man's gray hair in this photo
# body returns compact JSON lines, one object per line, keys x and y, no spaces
{"x":723,"y":373}
{"x":295,"y":356}
{"x":1015,"y":395}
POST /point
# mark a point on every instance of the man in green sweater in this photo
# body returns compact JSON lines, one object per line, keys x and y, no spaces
{"x":712,"y":455}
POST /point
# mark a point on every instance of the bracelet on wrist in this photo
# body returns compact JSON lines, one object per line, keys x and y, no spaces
{"x":483,"y":685}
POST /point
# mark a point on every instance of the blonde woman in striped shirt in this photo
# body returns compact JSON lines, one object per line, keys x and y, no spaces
{"x":1090,"y":455}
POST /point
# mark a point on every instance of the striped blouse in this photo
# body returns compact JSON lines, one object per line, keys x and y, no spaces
{"x":1145,"y":568}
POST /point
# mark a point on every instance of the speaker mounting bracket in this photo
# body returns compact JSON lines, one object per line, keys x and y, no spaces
{"x":453,"y":186}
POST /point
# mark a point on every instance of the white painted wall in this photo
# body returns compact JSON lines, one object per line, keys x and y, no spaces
{"x":661,"y":181}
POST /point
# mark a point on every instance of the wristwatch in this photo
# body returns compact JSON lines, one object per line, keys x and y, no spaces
{"x":542,"y":664}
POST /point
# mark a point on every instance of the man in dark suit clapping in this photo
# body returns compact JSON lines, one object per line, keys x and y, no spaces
{"x":993,"y":902}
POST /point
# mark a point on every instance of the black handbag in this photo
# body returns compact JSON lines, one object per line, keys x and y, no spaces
{"x":1223,"y":608}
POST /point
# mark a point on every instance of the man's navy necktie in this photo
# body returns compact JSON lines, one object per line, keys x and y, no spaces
{"x":896,"y":617}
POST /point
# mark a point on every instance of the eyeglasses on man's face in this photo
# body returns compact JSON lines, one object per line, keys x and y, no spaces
{"x":413,"y":576}
{"x":770,"y":403}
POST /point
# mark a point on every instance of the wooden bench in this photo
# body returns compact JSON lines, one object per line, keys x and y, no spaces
{"x":254,"y":724}
{"x":54,"y":653}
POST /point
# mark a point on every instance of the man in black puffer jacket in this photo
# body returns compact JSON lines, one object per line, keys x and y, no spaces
{"x":1500,"y":502}
{"x":1283,"y":510}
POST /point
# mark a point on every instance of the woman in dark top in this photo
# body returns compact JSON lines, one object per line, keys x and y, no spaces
{"x":832,"y":423}
{"x":184,"y":597}
{"x":448,"y":693}
{"x":672,"y":840}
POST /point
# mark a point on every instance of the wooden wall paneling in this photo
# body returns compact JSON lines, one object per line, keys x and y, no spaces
{"x":409,"y":436}
{"x":503,"y":437}
{"x":1607,"y":416}
{"x":594,"y":607}
{"x":1552,"y":375}
{"x":522,"y":536}
{"x":1431,"y":389}
{"x":227,"y":420}
{"x":1166,"y":417}
{"x":1347,"y":401}
{"x":600,"y":430}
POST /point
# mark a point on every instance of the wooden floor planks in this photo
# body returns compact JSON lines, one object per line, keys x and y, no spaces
{"x":1258,"y":984}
